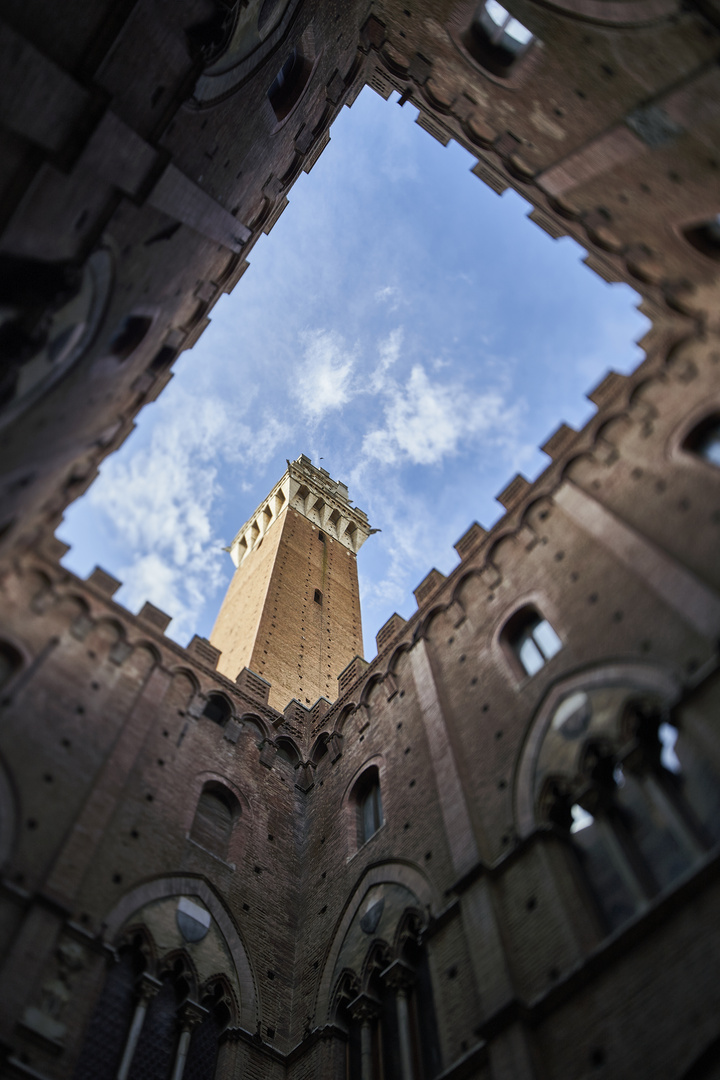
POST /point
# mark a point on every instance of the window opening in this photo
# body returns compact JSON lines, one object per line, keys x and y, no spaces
{"x":532,"y":640}
{"x":369,"y":805}
{"x":321,"y":537}
{"x":318,"y":597}
{"x":215,"y":816}
{"x":705,"y":237}
{"x":496,"y":39}
{"x":289,"y":83}
{"x":217,"y":709}
{"x":704,"y":440}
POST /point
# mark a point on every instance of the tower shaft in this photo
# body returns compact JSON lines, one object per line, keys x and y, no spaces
{"x":292,"y":611}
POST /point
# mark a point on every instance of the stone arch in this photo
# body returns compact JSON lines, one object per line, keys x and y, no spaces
{"x":150,"y":648}
{"x":249,"y":1013}
{"x":253,"y":720}
{"x":320,"y":747}
{"x":171,"y":961}
{"x":345,"y":713}
{"x":403,"y":647}
{"x":648,"y":678}
{"x":289,"y":747}
{"x":396,"y":872}
{"x":375,"y":679}
{"x":187,"y":673}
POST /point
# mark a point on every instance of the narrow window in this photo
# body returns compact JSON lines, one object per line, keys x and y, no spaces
{"x":10,"y":663}
{"x":321,"y":537}
{"x":318,"y":597}
{"x":704,"y":440}
{"x":369,"y":805}
{"x":215,"y":816}
{"x":495,"y":39}
{"x":531,"y":639}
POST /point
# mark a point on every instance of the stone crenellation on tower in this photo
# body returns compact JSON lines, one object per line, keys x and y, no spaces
{"x":292,"y":611}
{"x":495,"y":854}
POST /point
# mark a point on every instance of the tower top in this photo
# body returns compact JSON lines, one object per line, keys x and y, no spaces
{"x":314,"y":494}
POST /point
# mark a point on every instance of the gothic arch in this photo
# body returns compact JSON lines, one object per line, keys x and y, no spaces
{"x":396,"y":872}
{"x":163,"y":888}
{"x":648,"y":678}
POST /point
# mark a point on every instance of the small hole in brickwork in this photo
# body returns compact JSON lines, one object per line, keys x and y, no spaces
{"x":95,"y":685}
{"x":324,"y":874}
{"x":617,"y":616}
{"x":407,"y":749}
{"x":322,"y":839}
{"x":543,"y":515}
{"x":462,"y":658}
{"x":80,"y":709}
{"x":271,"y":974}
{"x":660,"y":486}
{"x":160,"y":761}
{"x":65,"y":742}
{"x":271,"y":1033}
{"x":485,"y":708}
{"x":270,"y":837}
{"x":411,"y":784}
{"x":402,"y":693}
{"x":597,"y":1056}
{"x":135,"y":834}
{"x":117,"y":878}
{"x":149,"y":797}
{"x":574,"y":576}
{"x":322,"y":910}
{"x":406,"y":825}
{"x":165,"y":734}
{"x":636,"y":474}
{"x":473,"y":681}
{"x":593,"y":598}
{"x":450,"y":640}
{"x":362,"y":738}
{"x":505,"y":839}
{"x":428,"y":856}
{"x":452,"y":972}
{"x":32,"y":823}
{"x":91,"y":654}
{"x":645,"y":646}
{"x":581,"y":94}
{"x":531,"y":903}
{"x":607,"y":70}
{"x":246,"y":907}
{"x":48,"y":777}
{"x":399,"y":725}
{"x":181,"y":712}
{"x":502,"y":784}
{"x":684,"y":504}
{"x":559,"y":556}
{"x":498,"y":734}
{"x":257,"y":869}
{"x":316,"y":964}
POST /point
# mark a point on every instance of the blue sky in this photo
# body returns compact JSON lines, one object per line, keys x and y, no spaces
{"x":404,"y":324}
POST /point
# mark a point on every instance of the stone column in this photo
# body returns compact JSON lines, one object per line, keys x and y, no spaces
{"x":400,"y":978}
{"x":149,"y":987}
{"x":192,"y":1015}
{"x":364,"y":1009}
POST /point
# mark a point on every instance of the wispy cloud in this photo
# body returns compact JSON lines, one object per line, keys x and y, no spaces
{"x":426,"y":421}
{"x":160,"y":502}
{"x":324,"y":376}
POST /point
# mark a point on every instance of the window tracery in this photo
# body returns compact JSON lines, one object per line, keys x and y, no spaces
{"x":633,"y":794}
{"x":530,"y":640}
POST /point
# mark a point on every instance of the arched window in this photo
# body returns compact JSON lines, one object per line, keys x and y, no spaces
{"x":368,"y":803}
{"x":289,"y":83}
{"x":10,"y":663}
{"x":495,"y":39}
{"x":215,"y":816}
{"x":705,"y":237}
{"x":704,"y":440}
{"x":640,"y":809}
{"x":217,"y":709}
{"x":530,"y":639}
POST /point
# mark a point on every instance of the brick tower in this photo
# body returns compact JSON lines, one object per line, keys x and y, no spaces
{"x":292,"y":611}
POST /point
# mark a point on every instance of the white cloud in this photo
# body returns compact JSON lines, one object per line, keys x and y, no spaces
{"x":389,"y":351}
{"x":160,"y":501}
{"x":390,"y":295}
{"x":324,"y":377}
{"x":426,"y":421}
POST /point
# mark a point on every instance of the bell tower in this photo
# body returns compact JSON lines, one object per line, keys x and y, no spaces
{"x":292,"y":611}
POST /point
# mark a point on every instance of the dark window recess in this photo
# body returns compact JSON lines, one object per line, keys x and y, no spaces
{"x":321,"y":537}
{"x":162,"y":359}
{"x":704,"y":440}
{"x":369,"y":804}
{"x":10,"y":662}
{"x":289,"y":83}
{"x":129,"y":335}
{"x":317,"y":597}
{"x":705,"y":237}
{"x":107,"y":1031}
{"x":217,"y":709}
{"x":495,"y":39}
{"x":215,"y":816}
